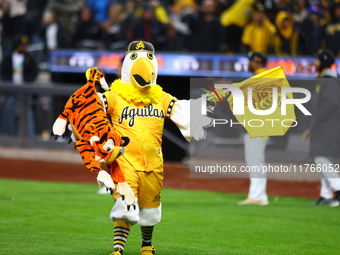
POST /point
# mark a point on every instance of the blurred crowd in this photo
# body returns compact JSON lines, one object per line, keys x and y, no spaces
{"x":280,"y":27}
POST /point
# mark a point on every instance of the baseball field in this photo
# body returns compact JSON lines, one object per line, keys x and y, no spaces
{"x":54,"y":217}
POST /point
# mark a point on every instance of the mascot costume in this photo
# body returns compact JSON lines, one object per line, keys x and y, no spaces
{"x":137,"y":107}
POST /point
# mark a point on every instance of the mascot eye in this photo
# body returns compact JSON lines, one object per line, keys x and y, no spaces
{"x":133,"y":56}
{"x":150,"y":56}
{"x":109,"y":148}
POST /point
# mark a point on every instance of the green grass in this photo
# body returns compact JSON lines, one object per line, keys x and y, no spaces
{"x":60,"y":218}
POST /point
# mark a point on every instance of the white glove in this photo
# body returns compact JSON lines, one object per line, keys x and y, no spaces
{"x":105,"y":179}
{"x":189,"y":119}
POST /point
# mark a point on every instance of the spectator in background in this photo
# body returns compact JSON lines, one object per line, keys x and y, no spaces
{"x":286,"y":37}
{"x":67,"y":12}
{"x":100,"y":9}
{"x":180,"y":16}
{"x":34,"y":15}
{"x":309,"y":32}
{"x":17,"y":67}
{"x":326,"y":16}
{"x":330,"y":32}
{"x":13,"y":23}
{"x":234,"y":19}
{"x":259,"y":34}
{"x":301,"y":11}
{"x":35,"y":10}
{"x":115,"y":29}
{"x":53,"y":33}
{"x":284,"y":5}
{"x":207,"y":32}
{"x":148,"y":28}
{"x":160,"y":13}
{"x":271,"y":9}
{"x":129,"y":11}
{"x":88,"y":33}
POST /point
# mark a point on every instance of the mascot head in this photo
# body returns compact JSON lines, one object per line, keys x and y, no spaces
{"x":140,"y":67}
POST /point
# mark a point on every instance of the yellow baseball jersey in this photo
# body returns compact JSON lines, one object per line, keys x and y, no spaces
{"x":143,"y":124}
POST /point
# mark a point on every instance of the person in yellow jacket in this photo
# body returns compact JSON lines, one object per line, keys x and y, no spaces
{"x":258,"y":35}
{"x":286,"y":38}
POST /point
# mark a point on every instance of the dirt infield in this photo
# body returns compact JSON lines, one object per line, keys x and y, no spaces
{"x":176,"y":176}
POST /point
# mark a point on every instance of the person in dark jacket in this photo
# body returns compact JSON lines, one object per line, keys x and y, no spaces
{"x":29,"y":66}
{"x":309,"y":32}
{"x":324,"y":132}
{"x":88,"y":33}
{"x":330,"y":32}
{"x":18,"y":67}
{"x":207,"y":31}
{"x":148,"y":28}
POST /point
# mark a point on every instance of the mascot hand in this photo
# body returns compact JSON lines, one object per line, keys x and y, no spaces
{"x":125,"y":191}
{"x":104,"y":178}
{"x":222,"y":94}
{"x":198,"y":121}
{"x":198,"y":129}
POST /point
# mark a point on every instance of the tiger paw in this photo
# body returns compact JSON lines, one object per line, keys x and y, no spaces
{"x":125,"y":191}
{"x":104,"y":178}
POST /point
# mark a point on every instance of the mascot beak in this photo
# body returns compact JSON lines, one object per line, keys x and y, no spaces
{"x":142,"y":72}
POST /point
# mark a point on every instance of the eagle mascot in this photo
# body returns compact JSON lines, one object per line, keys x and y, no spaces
{"x":138,"y":106}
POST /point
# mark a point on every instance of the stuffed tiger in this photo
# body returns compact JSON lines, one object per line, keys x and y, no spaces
{"x":96,"y":139}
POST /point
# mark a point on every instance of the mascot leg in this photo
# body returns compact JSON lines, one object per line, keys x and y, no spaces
{"x":121,"y":233}
{"x":120,"y":212}
{"x":148,"y":217}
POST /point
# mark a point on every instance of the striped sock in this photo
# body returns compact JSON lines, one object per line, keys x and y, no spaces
{"x":146,"y":235}
{"x":121,"y":233}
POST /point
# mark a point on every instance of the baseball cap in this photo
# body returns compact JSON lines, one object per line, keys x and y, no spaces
{"x":326,"y":57}
{"x":140,"y":46}
{"x":258,"y":57}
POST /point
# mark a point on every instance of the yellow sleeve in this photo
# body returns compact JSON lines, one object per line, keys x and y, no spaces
{"x":111,"y":100}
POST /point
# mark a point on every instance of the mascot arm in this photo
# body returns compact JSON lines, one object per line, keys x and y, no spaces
{"x":186,"y":114}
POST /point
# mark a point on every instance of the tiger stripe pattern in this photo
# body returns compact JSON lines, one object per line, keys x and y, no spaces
{"x":97,"y":140}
